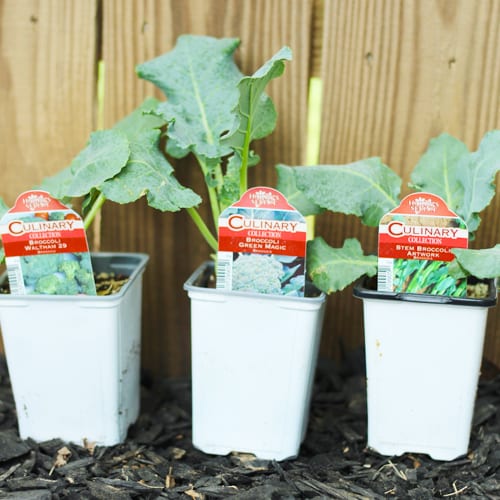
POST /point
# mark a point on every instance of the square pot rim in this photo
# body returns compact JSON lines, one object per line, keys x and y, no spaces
{"x":362,"y":291}
{"x":190,"y":286}
{"x":141,"y":261}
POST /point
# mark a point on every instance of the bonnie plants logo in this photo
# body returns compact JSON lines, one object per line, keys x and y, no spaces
{"x":423,"y":205}
{"x":262,"y":197}
{"x":36,"y":201}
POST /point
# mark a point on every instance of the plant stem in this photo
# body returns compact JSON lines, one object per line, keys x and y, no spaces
{"x":202,"y":227}
{"x":245,"y":150}
{"x":212,"y":191}
{"x":244,"y":161}
{"x":94,"y":209}
{"x":94,"y":217}
{"x":214,"y":204}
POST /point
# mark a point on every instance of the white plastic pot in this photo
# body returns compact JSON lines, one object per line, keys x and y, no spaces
{"x":423,"y":360}
{"x":74,"y":360}
{"x":253,"y":363}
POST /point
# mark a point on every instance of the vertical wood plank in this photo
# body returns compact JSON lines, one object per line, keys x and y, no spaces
{"x":397,"y":73}
{"x":138,"y":30}
{"x":47,"y":88}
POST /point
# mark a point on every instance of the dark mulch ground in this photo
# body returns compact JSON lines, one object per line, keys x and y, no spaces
{"x":158,"y":461}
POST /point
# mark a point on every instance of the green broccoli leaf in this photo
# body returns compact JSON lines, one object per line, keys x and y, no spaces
{"x":230,"y":191}
{"x":142,"y":119}
{"x":478,"y":179}
{"x":439,"y":170}
{"x":366,"y":188}
{"x":57,"y":185}
{"x":466,"y":181}
{"x":483,"y":263}
{"x":332,"y":269}
{"x":255,"y":110}
{"x":199,"y":78}
{"x":149,"y":173}
{"x":256,"y":120}
{"x":287,"y":185}
{"x":105,"y":155}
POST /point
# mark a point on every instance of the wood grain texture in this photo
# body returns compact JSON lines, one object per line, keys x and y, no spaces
{"x":396,"y":74}
{"x":317,"y":37}
{"x":135,"y":31}
{"x":47,"y":88}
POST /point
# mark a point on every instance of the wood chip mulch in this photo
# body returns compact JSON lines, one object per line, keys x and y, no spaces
{"x":158,"y":460}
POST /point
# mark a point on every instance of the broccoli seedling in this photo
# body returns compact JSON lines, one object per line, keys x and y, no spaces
{"x":369,"y":189}
{"x":212,"y":111}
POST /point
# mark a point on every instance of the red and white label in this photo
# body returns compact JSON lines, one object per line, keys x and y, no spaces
{"x":264,"y":225}
{"x":266,"y":229}
{"x":28,"y":227}
{"x":414,"y":247}
{"x":421,"y":227}
{"x":46,"y":249}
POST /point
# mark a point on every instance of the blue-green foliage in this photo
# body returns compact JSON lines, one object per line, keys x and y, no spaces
{"x":369,"y":189}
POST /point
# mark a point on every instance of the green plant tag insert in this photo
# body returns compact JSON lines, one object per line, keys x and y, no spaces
{"x":415,"y":247}
{"x":46,"y":249}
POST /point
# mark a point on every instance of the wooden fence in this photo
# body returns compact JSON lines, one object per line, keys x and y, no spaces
{"x":394,"y":72}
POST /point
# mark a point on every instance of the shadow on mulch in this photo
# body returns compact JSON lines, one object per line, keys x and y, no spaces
{"x":158,"y":460}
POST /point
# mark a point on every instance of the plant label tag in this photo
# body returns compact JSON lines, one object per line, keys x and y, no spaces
{"x":262,"y":245}
{"x":414,"y":247}
{"x":46,"y":250}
